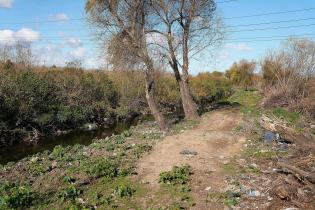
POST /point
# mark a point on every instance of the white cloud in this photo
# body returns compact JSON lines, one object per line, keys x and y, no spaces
{"x":6,"y":3}
{"x":60,"y":17}
{"x":78,"y":53}
{"x":9,"y":37}
{"x":27,"y":35}
{"x":242,"y":47}
{"x":50,"y":54}
{"x":73,"y":42}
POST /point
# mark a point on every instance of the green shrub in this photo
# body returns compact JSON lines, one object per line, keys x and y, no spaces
{"x":16,"y":197}
{"x":69,"y":193}
{"x":102,"y":168}
{"x":123,"y":191}
{"x":178,"y":175}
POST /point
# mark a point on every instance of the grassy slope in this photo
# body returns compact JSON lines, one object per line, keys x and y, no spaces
{"x":84,"y":177}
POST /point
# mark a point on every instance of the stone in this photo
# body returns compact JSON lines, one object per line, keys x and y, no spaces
{"x":208,"y":189}
{"x":188,"y":152}
{"x":282,"y":192}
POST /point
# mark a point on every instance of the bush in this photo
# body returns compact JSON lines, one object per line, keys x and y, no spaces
{"x":209,"y":87}
{"x":287,"y":75}
{"x":13,"y":196}
{"x":43,"y":100}
{"x":242,"y":73}
{"x":102,"y":168}
{"x":178,"y":175}
{"x":123,"y":191}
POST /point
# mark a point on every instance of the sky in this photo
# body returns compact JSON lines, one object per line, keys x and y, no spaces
{"x":59,"y":32}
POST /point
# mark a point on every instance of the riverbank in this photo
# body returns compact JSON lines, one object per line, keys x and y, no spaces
{"x":220,"y":161}
{"x":75,"y":176}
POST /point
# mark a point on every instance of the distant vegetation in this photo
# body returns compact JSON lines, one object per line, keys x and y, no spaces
{"x":286,"y":77}
{"x":43,"y":100}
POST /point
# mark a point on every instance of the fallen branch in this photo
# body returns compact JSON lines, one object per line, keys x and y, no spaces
{"x":297,"y":172}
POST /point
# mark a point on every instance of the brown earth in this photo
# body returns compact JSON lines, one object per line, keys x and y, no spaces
{"x":215,"y":141}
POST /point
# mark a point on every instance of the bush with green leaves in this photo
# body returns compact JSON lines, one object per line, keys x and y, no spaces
{"x":123,"y":191}
{"x":47,"y":99}
{"x":102,"y":167}
{"x":70,"y":192}
{"x":15,"y":196}
{"x":178,"y":175}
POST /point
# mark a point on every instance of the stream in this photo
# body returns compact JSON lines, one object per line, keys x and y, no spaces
{"x":21,"y":150}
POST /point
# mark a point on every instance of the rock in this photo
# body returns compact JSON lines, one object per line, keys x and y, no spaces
{"x":81,"y":201}
{"x":208,"y":189}
{"x":291,"y":208}
{"x":90,"y":126}
{"x":282,"y":192}
{"x":188,"y":152}
{"x":54,"y":164}
{"x":284,"y":146}
{"x":253,"y":165}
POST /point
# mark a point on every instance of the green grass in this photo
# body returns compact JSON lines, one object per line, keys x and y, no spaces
{"x":246,"y":98}
{"x":291,"y":117}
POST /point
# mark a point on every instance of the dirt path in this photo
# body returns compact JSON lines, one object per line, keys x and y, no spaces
{"x":215,"y":141}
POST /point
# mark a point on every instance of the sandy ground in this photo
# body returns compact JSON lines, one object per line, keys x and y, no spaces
{"x":215,"y":141}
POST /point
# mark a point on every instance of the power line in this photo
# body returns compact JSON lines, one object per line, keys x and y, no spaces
{"x":274,"y":28}
{"x":233,"y":26}
{"x":236,"y":17}
{"x":273,"y":22}
{"x":271,"y":13}
{"x":245,"y":39}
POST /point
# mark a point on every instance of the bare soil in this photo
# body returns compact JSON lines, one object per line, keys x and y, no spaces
{"x":215,"y":142}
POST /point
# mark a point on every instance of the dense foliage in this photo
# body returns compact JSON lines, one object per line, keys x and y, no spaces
{"x":38,"y":101}
{"x":43,"y":101}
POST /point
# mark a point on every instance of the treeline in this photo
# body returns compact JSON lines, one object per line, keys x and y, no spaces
{"x":38,"y":101}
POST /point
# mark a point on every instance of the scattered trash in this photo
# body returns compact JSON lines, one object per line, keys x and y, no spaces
{"x":270,"y":137}
{"x":291,"y":208}
{"x":254,"y":193}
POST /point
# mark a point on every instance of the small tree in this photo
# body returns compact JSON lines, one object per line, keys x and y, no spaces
{"x":287,"y":71}
{"x":242,"y":73}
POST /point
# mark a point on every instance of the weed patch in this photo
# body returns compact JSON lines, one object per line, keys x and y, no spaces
{"x":178,"y":175}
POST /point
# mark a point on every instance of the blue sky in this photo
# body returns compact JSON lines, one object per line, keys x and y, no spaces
{"x":59,"y":33}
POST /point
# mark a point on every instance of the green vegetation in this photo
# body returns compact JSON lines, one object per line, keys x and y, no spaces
{"x":40,"y":101}
{"x":289,"y":116}
{"x":178,"y":175}
{"x":82,"y":177}
{"x":14,"y":196}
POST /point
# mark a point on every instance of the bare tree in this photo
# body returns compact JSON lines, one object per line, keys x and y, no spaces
{"x":23,"y":55}
{"x":183,"y":29}
{"x":287,"y":72}
{"x":126,"y":21}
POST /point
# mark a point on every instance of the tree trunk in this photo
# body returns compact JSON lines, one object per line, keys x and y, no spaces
{"x":149,"y":92}
{"x":189,"y":105}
